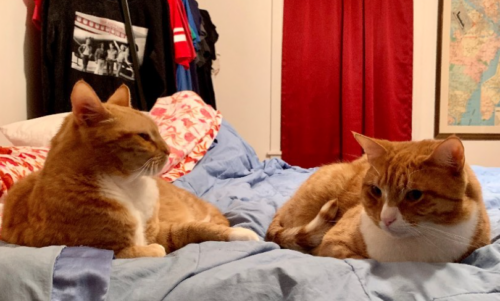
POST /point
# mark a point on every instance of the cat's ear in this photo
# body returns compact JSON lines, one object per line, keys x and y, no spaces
{"x":373,"y":150}
{"x":86,"y":105}
{"x":121,"y":96}
{"x":450,"y":153}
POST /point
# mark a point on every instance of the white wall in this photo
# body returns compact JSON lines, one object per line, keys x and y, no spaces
{"x":484,"y":153}
{"x":12,"y":79}
{"x":248,"y":86}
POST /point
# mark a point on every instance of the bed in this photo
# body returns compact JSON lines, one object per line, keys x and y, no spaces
{"x":248,"y":192}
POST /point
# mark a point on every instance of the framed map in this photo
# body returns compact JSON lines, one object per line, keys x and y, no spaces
{"x":468,"y":70}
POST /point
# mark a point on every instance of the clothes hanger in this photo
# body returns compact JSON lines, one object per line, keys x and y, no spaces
{"x":133,"y":51}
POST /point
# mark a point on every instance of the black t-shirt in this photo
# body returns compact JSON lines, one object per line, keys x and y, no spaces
{"x":69,"y":24}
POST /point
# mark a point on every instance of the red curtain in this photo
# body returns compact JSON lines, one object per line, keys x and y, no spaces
{"x":347,"y":66}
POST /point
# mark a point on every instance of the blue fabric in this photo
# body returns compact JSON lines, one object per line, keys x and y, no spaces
{"x":195,"y":12}
{"x":192,"y":24}
{"x":82,"y":273}
{"x":489,"y":177}
{"x":246,"y":190}
{"x":183,"y":77}
{"x":261,"y":271}
{"x":26,"y":273}
{"x":249,"y":192}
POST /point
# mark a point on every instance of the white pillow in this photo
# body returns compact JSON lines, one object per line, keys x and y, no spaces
{"x":33,"y":132}
{"x":4,"y":141}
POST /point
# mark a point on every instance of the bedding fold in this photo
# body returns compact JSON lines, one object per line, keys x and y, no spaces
{"x":82,"y":273}
{"x":26,"y":273}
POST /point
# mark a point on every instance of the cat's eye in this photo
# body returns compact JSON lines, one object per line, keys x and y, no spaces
{"x":375,"y":191}
{"x":414,"y":195}
{"x":144,"y":136}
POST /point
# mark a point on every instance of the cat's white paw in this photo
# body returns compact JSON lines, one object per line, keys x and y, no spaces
{"x":157,"y":250}
{"x":243,"y":234}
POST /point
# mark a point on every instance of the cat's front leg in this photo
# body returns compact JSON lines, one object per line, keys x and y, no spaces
{"x":176,"y":236}
{"x":151,"y":250}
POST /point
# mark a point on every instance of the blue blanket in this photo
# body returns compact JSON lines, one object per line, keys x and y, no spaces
{"x":249,"y":192}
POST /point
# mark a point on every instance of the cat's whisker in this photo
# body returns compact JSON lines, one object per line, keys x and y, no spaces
{"x":157,"y":164}
{"x":423,"y":233}
{"x":154,"y":165}
{"x":143,"y":165}
{"x":440,"y":231}
{"x":150,"y":166}
{"x":144,"y":169}
{"x":428,"y":240}
{"x":445,"y":235}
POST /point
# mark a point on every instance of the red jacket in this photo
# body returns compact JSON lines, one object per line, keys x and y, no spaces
{"x":183,"y":43}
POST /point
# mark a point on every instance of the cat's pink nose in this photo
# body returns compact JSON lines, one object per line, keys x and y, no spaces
{"x":388,"y":221}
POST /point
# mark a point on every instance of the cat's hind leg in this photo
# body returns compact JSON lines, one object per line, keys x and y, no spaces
{"x":215,"y":216}
{"x":344,"y":240}
{"x":304,"y":238}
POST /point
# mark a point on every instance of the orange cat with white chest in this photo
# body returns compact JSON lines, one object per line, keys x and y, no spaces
{"x":98,"y":188}
{"x":402,"y":201}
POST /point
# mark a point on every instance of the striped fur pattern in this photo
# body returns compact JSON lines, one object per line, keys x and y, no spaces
{"x":98,"y":188}
{"x":401,"y":201}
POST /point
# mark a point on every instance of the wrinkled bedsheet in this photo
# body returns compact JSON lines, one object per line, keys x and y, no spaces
{"x":249,"y":192}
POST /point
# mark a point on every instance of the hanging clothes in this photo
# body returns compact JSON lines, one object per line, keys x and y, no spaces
{"x":192,"y":25}
{"x":195,"y":12}
{"x":37,"y":14}
{"x":184,"y":51}
{"x":99,"y":25}
{"x":195,"y":23}
{"x":184,"y":79}
{"x":208,"y":37}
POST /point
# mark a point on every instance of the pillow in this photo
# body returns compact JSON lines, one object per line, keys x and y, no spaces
{"x":4,"y":141}
{"x":16,"y":163}
{"x":188,"y":126}
{"x":34,"y":132}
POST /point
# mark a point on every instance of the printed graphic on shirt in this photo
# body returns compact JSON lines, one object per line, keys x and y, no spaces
{"x":100,"y":46}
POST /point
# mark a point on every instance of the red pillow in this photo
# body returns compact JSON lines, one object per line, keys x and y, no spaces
{"x":189,"y":127}
{"x":17,"y":162}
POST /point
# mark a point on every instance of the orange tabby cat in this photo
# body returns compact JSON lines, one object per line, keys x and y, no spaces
{"x":402,"y":201}
{"x":98,"y":189}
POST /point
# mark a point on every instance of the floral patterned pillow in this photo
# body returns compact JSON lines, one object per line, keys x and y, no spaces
{"x":17,"y":162}
{"x":189,"y":127}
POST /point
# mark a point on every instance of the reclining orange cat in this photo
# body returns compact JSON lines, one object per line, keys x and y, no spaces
{"x":98,"y":188}
{"x":402,"y":201}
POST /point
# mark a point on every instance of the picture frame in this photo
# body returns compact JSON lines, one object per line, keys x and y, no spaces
{"x":466,"y":88}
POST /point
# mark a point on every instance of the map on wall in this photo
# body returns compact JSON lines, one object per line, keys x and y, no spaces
{"x":468,"y":83}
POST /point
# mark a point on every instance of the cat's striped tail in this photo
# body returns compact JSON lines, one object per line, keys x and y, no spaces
{"x":306,"y":237}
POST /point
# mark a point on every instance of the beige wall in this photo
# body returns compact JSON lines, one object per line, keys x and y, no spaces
{"x":12,"y":79}
{"x":486,"y":153}
{"x":248,"y":86}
